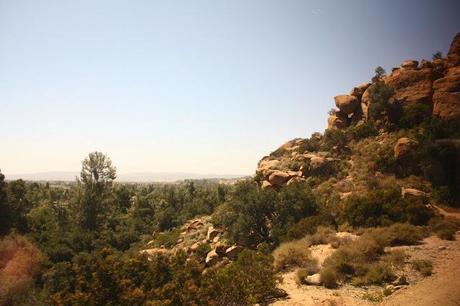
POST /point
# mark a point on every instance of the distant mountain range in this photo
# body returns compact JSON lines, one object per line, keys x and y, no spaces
{"x":122,"y":177}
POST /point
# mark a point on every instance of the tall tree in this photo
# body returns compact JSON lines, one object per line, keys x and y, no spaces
{"x":4,"y":211}
{"x":96,"y":176}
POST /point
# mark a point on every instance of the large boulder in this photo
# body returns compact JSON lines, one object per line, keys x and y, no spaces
{"x":233,"y":251}
{"x":359,"y":90}
{"x":212,"y":233}
{"x":404,"y":147}
{"x":346,"y":103}
{"x":212,"y":258}
{"x":365,"y":102}
{"x":314,"y":280}
{"x":278,"y":178}
{"x":446,"y":97}
{"x":413,"y":193}
{"x":338,"y":120}
{"x":411,"y":85}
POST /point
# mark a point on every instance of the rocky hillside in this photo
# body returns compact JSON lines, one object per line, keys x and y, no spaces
{"x":414,"y":89}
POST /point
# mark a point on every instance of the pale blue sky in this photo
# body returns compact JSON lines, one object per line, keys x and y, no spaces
{"x":207,"y":86}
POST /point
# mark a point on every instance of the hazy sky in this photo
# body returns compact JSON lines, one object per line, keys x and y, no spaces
{"x":207,"y":86}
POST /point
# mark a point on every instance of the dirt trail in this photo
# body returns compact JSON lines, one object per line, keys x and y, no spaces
{"x":442,"y":288}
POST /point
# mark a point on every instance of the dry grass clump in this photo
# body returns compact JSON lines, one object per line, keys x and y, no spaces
{"x":362,"y":261}
{"x":293,"y":254}
{"x":329,"y":277}
{"x":444,"y":229}
{"x":425,"y":267}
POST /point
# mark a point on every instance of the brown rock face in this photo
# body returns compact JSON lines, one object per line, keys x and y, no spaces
{"x":347,"y":104}
{"x":446,"y":97}
{"x":338,"y":120}
{"x":409,"y":64}
{"x":412,"y":86}
{"x":404,"y":146}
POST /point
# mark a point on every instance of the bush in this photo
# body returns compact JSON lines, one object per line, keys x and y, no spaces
{"x":247,"y":281}
{"x":425,"y":267}
{"x":307,"y":225}
{"x":414,"y":114}
{"x":293,"y":254}
{"x":376,"y":274}
{"x":383,"y":205}
{"x":443,"y":229}
{"x":301,"y":274}
{"x":362,"y":130}
{"x":361,"y":260}
{"x":329,"y":278}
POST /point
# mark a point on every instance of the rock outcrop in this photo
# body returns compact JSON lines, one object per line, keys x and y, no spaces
{"x":411,"y":85}
{"x":347,"y":104}
{"x":446,"y":97}
{"x":404,"y":147}
{"x":435,"y":83}
{"x":338,"y":120}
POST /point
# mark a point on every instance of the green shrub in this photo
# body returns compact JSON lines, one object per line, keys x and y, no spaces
{"x":329,"y":278}
{"x":167,"y":239}
{"x":307,"y":225}
{"x":362,"y":130}
{"x":373,"y":297}
{"x":362,"y":260}
{"x":425,"y":267}
{"x":444,"y":229}
{"x":302,"y":273}
{"x":414,"y":114}
{"x":376,"y":274}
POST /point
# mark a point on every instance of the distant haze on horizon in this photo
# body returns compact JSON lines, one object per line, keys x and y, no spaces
{"x":206,"y":86}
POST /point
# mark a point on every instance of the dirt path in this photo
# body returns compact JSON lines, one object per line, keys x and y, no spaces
{"x":442,"y":288}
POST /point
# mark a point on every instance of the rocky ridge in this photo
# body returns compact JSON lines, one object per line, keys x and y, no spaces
{"x":433,"y":83}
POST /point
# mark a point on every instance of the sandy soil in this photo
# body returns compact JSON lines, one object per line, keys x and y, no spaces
{"x":442,"y":288}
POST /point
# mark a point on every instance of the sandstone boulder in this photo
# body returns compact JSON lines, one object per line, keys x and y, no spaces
{"x":266,"y":184}
{"x":267,"y":164}
{"x":278,"y":178}
{"x":359,"y":90}
{"x":413,"y":193}
{"x":233,"y":251}
{"x":220,"y":248}
{"x":346,"y":103}
{"x":404,"y":146}
{"x":409,"y":64}
{"x":212,"y":258}
{"x":338,"y":120}
{"x":294,"y":180}
{"x":411,"y":86}
{"x":314,"y":280}
{"x":212,"y":233}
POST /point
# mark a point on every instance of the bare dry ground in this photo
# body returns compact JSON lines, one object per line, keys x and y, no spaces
{"x":442,"y":288}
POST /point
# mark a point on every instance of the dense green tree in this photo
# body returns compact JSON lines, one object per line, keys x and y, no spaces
{"x":96,"y":177}
{"x":4,"y":209}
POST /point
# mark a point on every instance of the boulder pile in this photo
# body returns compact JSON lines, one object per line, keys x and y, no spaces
{"x":435,"y":83}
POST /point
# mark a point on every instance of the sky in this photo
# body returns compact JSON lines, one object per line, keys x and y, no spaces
{"x":204,"y":86}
